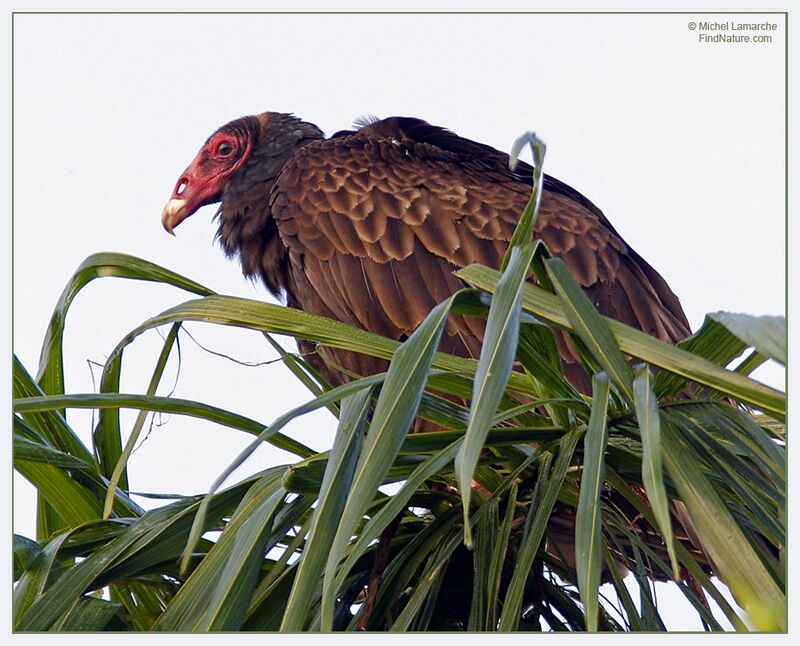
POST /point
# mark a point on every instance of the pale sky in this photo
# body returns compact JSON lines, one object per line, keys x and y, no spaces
{"x":680,"y":143}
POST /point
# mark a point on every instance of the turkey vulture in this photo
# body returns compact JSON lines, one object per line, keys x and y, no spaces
{"x":367,"y":227}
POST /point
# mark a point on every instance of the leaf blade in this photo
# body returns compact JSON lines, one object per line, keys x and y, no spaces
{"x":647,"y":416}
{"x":333,"y":495}
{"x":588,"y":521}
{"x":642,"y":346}
{"x":394,"y":413}
{"x":494,"y":368}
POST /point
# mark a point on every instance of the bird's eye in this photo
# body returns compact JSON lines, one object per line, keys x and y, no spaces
{"x":225,"y":149}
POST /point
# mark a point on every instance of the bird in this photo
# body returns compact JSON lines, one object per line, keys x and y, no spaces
{"x":368,"y":226}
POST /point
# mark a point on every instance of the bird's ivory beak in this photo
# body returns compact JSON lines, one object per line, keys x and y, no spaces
{"x":173,"y":214}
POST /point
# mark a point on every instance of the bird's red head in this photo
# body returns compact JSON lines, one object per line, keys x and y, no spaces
{"x":204,"y":180}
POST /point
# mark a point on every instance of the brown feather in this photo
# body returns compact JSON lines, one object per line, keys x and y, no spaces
{"x":371,"y":227}
{"x":373,"y":223}
{"x":398,"y":240}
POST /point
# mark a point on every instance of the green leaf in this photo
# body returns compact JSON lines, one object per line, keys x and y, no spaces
{"x":165,"y":405}
{"x":750,"y":363}
{"x":523,"y":232}
{"x":266,"y":616}
{"x":51,"y":369}
{"x":74,"y":503}
{"x":401,"y":569}
{"x":26,"y":450}
{"x":538,"y":353}
{"x":752,"y":488}
{"x":267,"y":317}
{"x":494,"y":367}
{"x":394,"y":412}
{"x":713,"y":341}
{"x":119,"y":477}
{"x":153,"y":539}
{"x":682,"y":553}
{"x":632,"y":614}
{"x":643,"y":346}
{"x":434,"y":544}
{"x":646,"y":406}
{"x":501,"y":552}
{"x":51,"y":425}
{"x":739,"y":566}
{"x":430,"y":577}
{"x":30,"y":448}
{"x":33,"y":583}
{"x":394,"y":506}
{"x":730,"y":464}
{"x":26,"y":552}
{"x":141,"y":603}
{"x":588,"y":521}
{"x":558,"y":599}
{"x":264,"y":588}
{"x":482,"y":551}
{"x":318,"y":402}
{"x":217,"y":594}
{"x":587,"y":323}
{"x":88,"y":615}
{"x":107,"y":436}
{"x":333,"y":494}
{"x":767,"y":334}
{"x":544,"y":497}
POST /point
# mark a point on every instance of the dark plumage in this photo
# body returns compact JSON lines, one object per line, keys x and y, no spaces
{"x":368,"y":226}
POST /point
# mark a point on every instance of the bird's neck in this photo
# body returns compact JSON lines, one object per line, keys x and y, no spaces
{"x":246,"y":226}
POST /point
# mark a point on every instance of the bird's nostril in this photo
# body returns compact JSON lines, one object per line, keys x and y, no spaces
{"x":181,"y":185}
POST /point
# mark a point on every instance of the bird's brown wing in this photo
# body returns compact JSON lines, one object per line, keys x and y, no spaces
{"x":376,"y":221}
